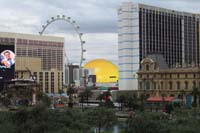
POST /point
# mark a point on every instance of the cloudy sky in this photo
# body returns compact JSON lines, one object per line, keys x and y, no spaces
{"x":97,"y":19}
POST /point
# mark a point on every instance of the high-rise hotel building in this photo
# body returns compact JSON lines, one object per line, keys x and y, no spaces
{"x":145,"y":30}
{"x":37,"y":56}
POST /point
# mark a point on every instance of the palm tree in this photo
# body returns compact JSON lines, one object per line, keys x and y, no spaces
{"x":142,"y":99}
{"x":100,"y":98}
{"x":87,"y":93}
{"x":163,"y":95}
{"x":81,"y":95}
{"x":70,"y":92}
{"x":182,"y":93}
{"x":101,"y":117}
{"x":108,"y":99}
{"x":60,"y":91}
{"x":132,"y":101}
{"x":121,"y":100}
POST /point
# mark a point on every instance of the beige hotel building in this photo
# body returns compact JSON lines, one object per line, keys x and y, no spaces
{"x":37,"y":56}
{"x":156,"y":79}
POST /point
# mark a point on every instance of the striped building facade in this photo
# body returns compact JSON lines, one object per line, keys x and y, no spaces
{"x":144,"y":30}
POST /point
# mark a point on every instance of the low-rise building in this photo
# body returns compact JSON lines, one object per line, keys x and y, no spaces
{"x":156,"y":79}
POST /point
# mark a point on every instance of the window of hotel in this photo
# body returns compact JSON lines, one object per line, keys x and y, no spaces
{"x":46,"y":88}
{"x":155,"y":67}
{"x":62,"y":77}
{"x":58,"y":80}
{"x":161,"y":85}
{"x":41,"y":75}
{"x":35,"y":75}
{"x":22,"y":76}
{"x":52,"y":82}
{"x":147,"y":67}
{"x":140,"y":85}
{"x":186,"y":85}
{"x":178,"y":85}
{"x":46,"y":82}
{"x":170,"y":85}
{"x":41,"y":79}
{"x":16,"y":75}
{"x":46,"y":76}
{"x":154,"y":85}
{"x":194,"y":84}
{"x":147,"y":85}
{"x":186,"y":75}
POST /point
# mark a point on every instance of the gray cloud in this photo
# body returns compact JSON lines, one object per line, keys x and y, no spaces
{"x":98,"y":19}
{"x":92,"y":16}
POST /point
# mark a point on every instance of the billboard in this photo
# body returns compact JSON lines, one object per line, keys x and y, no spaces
{"x":7,"y":62}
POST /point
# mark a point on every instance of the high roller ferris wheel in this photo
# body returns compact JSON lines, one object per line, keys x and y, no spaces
{"x":74,"y":26}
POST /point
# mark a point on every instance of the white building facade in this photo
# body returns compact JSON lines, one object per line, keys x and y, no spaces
{"x":128,"y":46}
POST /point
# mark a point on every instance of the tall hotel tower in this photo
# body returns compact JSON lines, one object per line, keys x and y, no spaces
{"x":145,"y":30}
{"x":37,"y":56}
